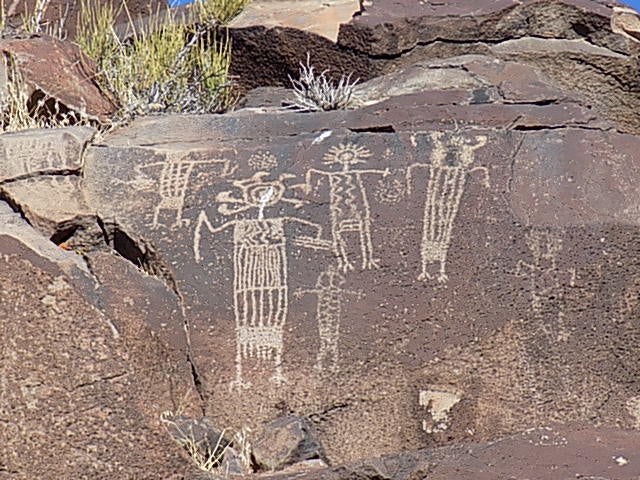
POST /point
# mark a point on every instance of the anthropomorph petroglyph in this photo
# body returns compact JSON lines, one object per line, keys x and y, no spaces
{"x":175,"y":174}
{"x":546,"y":280}
{"x":33,"y":154}
{"x":260,"y":287}
{"x":330,"y":292}
{"x":451,"y":160}
{"x":348,"y":203}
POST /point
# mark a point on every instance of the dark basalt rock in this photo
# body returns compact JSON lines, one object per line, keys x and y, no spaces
{"x":286,"y":441}
{"x":447,"y":269}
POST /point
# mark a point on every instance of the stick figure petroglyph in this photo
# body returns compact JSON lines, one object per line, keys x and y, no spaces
{"x":451,"y":159}
{"x":175,"y":174}
{"x":329,"y":290}
{"x":349,"y":206}
{"x":260,"y":287}
{"x":546,"y":280}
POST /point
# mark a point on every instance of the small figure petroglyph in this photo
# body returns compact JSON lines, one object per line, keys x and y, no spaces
{"x":330,"y":290}
{"x":349,"y":206}
{"x":34,"y":154}
{"x":451,"y":159}
{"x":546,"y":287}
{"x":260,"y":287}
{"x":174,"y":182}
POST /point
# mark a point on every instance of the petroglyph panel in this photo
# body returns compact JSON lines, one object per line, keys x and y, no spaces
{"x":337,"y":273}
{"x":42,"y":151}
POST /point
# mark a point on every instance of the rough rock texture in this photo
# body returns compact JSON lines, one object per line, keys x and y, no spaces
{"x":286,"y":441}
{"x":73,"y":87}
{"x":452,"y":265}
{"x":545,"y":453}
{"x":73,"y":401}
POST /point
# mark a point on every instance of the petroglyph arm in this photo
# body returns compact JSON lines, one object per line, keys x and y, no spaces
{"x":386,"y":172}
{"x":203,"y":219}
{"x":314,"y":242}
{"x":299,"y":292}
{"x":306,"y":186}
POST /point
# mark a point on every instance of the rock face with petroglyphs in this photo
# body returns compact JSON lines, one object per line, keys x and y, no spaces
{"x":448,"y":267}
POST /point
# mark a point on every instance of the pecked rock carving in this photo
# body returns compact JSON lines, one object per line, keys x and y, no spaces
{"x":444,"y":277}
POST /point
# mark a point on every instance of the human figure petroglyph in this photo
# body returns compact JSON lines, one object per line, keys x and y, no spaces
{"x":451,"y":160}
{"x":260,"y":287}
{"x":34,"y":154}
{"x":349,"y":206}
{"x":330,"y":292}
{"x":546,"y":279}
{"x":175,"y":174}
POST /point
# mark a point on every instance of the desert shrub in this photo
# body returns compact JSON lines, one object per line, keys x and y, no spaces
{"x":166,"y":66}
{"x":317,"y":92}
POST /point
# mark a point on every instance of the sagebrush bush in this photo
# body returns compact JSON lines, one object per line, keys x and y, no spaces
{"x":166,"y":66}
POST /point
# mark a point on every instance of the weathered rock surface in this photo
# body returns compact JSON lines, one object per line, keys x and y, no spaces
{"x":544,"y":453}
{"x":320,"y":18}
{"x":449,"y":265}
{"x":73,"y":87}
{"x":286,"y":441}
{"x":82,"y":384}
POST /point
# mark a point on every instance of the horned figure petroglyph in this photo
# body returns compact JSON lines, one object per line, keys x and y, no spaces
{"x":330,"y":293}
{"x":451,"y":159}
{"x":546,"y":280}
{"x":348,"y":203}
{"x":175,"y":174}
{"x":260,"y":287}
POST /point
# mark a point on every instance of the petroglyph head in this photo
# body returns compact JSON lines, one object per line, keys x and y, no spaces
{"x":347,"y":155}
{"x":454,"y":150}
{"x":256,"y":192}
{"x":331,"y":279}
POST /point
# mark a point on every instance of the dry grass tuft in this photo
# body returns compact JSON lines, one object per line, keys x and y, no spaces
{"x":319,"y":93}
{"x":167,"y":66}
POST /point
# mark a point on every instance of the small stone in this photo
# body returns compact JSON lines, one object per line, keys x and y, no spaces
{"x":286,"y":441}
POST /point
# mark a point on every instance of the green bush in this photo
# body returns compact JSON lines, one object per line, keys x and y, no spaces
{"x":166,"y":66}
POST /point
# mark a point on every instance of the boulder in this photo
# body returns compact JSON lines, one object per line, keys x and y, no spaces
{"x":545,"y":453}
{"x":72,"y":88}
{"x":425,"y":269}
{"x":286,"y":441}
{"x":81,"y":390}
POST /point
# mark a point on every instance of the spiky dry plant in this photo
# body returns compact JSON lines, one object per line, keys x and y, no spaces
{"x":318,"y":92}
{"x":33,"y":20}
{"x":206,"y":457}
